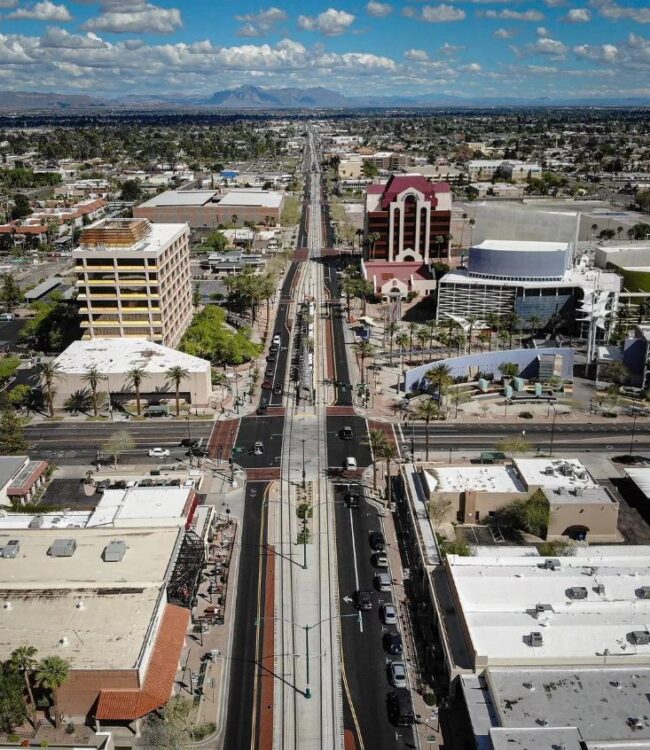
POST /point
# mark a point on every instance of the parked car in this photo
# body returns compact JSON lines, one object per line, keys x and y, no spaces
{"x":362,"y":599}
{"x":400,"y":707}
{"x":271,"y":357}
{"x":388,"y":614}
{"x":376,"y":541}
{"x":188,"y":442}
{"x":379,"y":560}
{"x":269,"y":372}
{"x":258,"y":448}
{"x":352,"y":498}
{"x":392,"y":643}
{"x":382,"y":582}
{"x":263,"y":407}
{"x":277,"y":339}
{"x":350,"y":463}
{"x":396,"y":672}
{"x":7,"y":317}
{"x":267,"y":385}
{"x":159,"y":453}
{"x":347,"y":433}
{"x":277,"y":389}
{"x":197,"y":450}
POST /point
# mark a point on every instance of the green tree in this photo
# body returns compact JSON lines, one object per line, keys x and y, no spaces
{"x":22,"y":661}
{"x":49,"y":373}
{"x":387,"y":452}
{"x":51,"y":673}
{"x":616,"y":371}
{"x":21,"y":396}
{"x":369,"y":169}
{"x":175,"y":376}
{"x":93,"y":377}
{"x":134,"y":378}
{"x":8,"y":367}
{"x":117,"y":444}
{"x":171,"y":731}
{"x":55,"y":325}
{"x":422,"y":336}
{"x":217,"y":241}
{"x":131,"y":191}
{"x":376,"y":438}
{"x":209,"y":338}
{"x":10,"y":294}
{"x":363,"y":350}
{"x":12,"y":434}
{"x":21,"y":207}
{"x":427,"y":410}
{"x":440,"y":376}
{"x":13,"y":710}
{"x":509,"y":369}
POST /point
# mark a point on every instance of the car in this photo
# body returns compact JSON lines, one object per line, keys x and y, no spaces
{"x":382,"y":582}
{"x":350,"y":463}
{"x":277,"y":339}
{"x":271,"y":357}
{"x":269,"y":372}
{"x":267,"y":385}
{"x":159,"y":453}
{"x":7,"y":317}
{"x":388,"y":614}
{"x":197,"y":450}
{"x":277,"y":389}
{"x":188,"y":442}
{"x":352,"y":498}
{"x":376,"y":541}
{"x":392,"y":643}
{"x":347,"y":433}
{"x":400,"y":707}
{"x":258,"y":448}
{"x":362,"y":600}
{"x":262,"y":408}
{"x":379,"y":560}
{"x":396,"y":673}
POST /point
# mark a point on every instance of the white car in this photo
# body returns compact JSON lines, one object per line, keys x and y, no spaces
{"x":159,"y":453}
{"x":258,"y":448}
{"x":397,"y":674}
{"x":387,"y":614}
{"x":350,"y":463}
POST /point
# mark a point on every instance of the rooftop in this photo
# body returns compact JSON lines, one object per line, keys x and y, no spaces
{"x":474,"y":478}
{"x":9,"y":467}
{"x":584,"y":606}
{"x":574,"y":277}
{"x":181,"y":198}
{"x":118,"y":355}
{"x":136,"y":505}
{"x":151,"y":238}
{"x":641,"y":477}
{"x":535,"y":738}
{"x":567,"y":473}
{"x":522,"y":246}
{"x":264,"y":198}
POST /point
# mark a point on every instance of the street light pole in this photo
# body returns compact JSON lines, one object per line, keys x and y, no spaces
{"x":304,"y":474}
{"x":552,"y":431}
{"x":633,"y":432}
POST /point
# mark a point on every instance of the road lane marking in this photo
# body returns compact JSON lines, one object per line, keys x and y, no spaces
{"x":354,"y":558}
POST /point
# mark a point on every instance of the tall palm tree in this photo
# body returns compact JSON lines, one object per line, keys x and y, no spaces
{"x":402,"y":340}
{"x":93,"y":377}
{"x":51,"y":673}
{"x":441,"y":376}
{"x":422,"y":336}
{"x":49,"y":372}
{"x":134,"y":378}
{"x":23,"y":661}
{"x":493,"y":321}
{"x":472,"y":320}
{"x":511,"y":320}
{"x":376,"y":438}
{"x":485,"y":338}
{"x":432,"y":328}
{"x":412,"y":328}
{"x":535,"y":322}
{"x":391,"y":329}
{"x":426,"y":411}
{"x":176,"y":375}
{"x":387,"y":451}
{"x":363,"y":349}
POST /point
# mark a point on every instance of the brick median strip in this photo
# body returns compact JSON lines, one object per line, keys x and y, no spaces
{"x":267,"y":678}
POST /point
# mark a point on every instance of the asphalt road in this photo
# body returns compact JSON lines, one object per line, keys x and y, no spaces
{"x":364,"y":659}
{"x":338,"y":449}
{"x":267,"y":430}
{"x":71,"y":443}
{"x":243,"y":658}
{"x":342,"y":372}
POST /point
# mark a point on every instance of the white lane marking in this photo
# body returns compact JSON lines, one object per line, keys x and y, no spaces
{"x":354,"y":558}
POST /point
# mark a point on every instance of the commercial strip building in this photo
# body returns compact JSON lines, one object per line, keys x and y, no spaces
{"x":20,"y":477}
{"x":114,"y":358}
{"x":510,"y":169}
{"x":211,"y":208}
{"x":134,"y":280}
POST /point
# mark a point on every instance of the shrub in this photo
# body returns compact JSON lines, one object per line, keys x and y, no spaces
{"x":430,"y":699}
{"x":525,"y":415}
{"x":610,"y":414}
{"x":531,"y":516}
{"x":551,"y":549}
{"x":203,"y":731}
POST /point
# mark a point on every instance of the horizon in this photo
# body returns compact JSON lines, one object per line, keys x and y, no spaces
{"x":559,"y":49}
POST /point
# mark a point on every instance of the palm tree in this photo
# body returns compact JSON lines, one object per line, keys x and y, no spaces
{"x":432,"y":328}
{"x":376,"y":438}
{"x":387,"y":451}
{"x":363,"y":349}
{"x":391,"y":329}
{"x":485,"y":337}
{"x":412,"y":328}
{"x":51,"y":673}
{"x":472,"y":320}
{"x":233,"y":219}
{"x":441,"y":376}
{"x":176,"y":375}
{"x":426,"y":411}
{"x":402,"y":341}
{"x":372,"y":239}
{"x":93,"y":377}
{"x":472,"y":222}
{"x":511,"y":321}
{"x":23,"y":661}
{"x":493,"y":320}
{"x":535,"y":322}
{"x":48,"y":373}
{"x":422,"y":336}
{"x":134,"y":378}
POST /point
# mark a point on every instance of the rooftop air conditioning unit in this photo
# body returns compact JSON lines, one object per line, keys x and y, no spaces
{"x":62,"y":548}
{"x":552,"y":564}
{"x":599,"y":588}
{"x":639,"y":637}
{"x":643,"y":592}
{"x":114,"y":551}
{"x":577,"y":592}
{"x":11,"y":549}
{"x":536,"y":638}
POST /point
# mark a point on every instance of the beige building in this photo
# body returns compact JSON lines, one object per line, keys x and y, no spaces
{"x":114,"y":358}
{"x":134,"y":280}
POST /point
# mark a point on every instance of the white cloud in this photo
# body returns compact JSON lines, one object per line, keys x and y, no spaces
{"x":378,"y":10}
{"x":330,"y":22}
{"x":442,"y":13}
{"x":472,"y":68}
{"x":542,"y":31}
{"x":513,"y":15}
{"x":577,"y":15}
{"x":145,"y":19}
{"x":614,"y":11}
{"x":450,"y":49}
{"x":256,"y":24}
{"x":43,"y":11}
{"x":418,"y":55}
{"x":547,"y":46}
{"x":601,"y":52}
{"x":8,"y":3}
{"x":58,"y":38}
{"x":504,"y":33}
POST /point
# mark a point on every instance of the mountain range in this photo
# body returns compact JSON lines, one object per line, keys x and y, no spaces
{"x":257,"y":98}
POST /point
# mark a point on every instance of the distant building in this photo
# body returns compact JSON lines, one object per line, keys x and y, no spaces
{"x":411,"y":218}
{"x":210,"y":208}
{"x":391,"y":280}
{"x":481,"y":170}
{"x":134,"y":280}
{"x":496,"y":190}
{"x":19,"y":478}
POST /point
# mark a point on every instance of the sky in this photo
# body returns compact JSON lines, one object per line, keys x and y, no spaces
{"x":472,"y":48}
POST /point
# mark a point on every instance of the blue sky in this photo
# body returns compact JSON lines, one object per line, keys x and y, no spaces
{"x":566,"y":48}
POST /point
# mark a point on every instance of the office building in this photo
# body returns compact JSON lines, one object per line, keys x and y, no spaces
{"x":409,"y":217}
{"x":488,"y":169}
{"x":20,"y":477}
{"x":134,"y":280}
{"x":211,"y":208}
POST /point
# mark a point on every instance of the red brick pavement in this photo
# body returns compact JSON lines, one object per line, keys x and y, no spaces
{"x":340,"y":411}
{"x":264,"y":473}
{"x":301,"y":254}
{"x":223,"y":434}
{"x":267,"y":678}
{"x":385,"y":427}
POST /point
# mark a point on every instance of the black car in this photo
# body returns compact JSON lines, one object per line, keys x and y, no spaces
{"x":272,"y":356}
{"x":269,"y":372}
{"x":400,"y":707}
{"x":197,"y":450}
{"x":188,"y":442}
{"x":362,"y":600}
{"x":277,"y":389}
{"x":352,"y":498}
{"x":263,"y":407}
{"x":347,"y":434}
{"x":377,"y":541}
{"x":392,"y":643}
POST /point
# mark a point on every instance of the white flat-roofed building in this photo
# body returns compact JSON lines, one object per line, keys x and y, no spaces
{"x":114,"y":358}
{"x":578,"y":610}
{"x":476,"y":478}
{"x":143,"y":506}
{"x":134,"y":280}
{"x":97,"y":598}
{"x":567,"y":473}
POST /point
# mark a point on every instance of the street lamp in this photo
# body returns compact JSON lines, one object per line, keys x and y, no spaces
{"x":303,"y":464}
{"x":550,"y":453}
{"x":633,"y":432}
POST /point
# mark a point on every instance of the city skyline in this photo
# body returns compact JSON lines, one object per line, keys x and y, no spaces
{"x":473,"y":48}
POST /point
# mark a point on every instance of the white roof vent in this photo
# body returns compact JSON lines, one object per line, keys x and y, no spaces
{"x":7,"y":605}
{"x":80,"y":605}
{"x":63,"y":641}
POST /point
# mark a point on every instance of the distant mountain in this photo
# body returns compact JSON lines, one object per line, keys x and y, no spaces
{"x":22,"y":101}
{"x":254,"y":97}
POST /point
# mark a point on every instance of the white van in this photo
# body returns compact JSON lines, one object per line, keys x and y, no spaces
{"x":7,"y":316}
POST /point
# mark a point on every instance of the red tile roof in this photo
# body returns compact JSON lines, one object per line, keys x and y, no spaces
{"x":398,"y":183}
{"x":402,"y":271}
{"x":127,"y":705}
{"x":375,"y":188}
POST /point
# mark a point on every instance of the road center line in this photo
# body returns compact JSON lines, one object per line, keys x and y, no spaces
{"x":354,"y":558}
